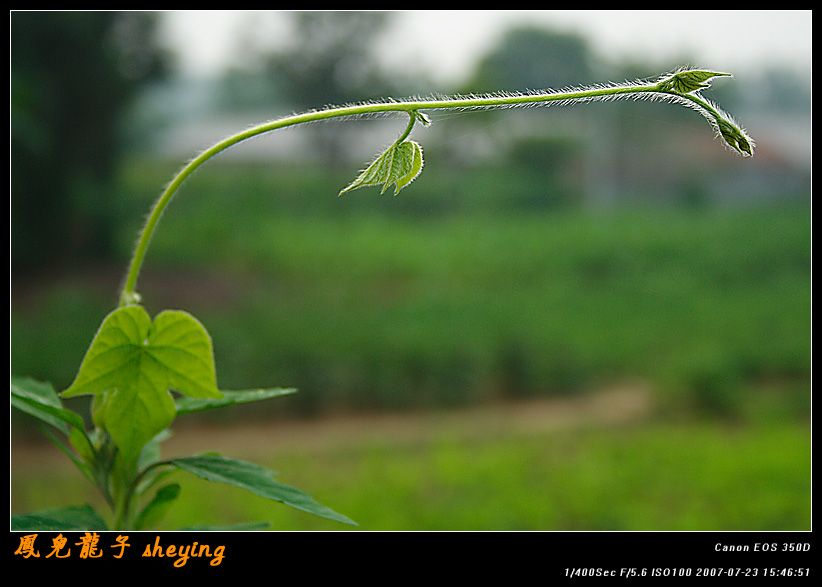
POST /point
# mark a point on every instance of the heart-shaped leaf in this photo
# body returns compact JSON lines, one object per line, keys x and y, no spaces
{"x":132,"y":364}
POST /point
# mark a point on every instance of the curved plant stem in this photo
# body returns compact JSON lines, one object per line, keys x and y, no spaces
{"x":412,"y":115}
{"x":662,"y":88}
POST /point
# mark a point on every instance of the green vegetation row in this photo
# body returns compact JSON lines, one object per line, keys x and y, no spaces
{"x":392,"y":309}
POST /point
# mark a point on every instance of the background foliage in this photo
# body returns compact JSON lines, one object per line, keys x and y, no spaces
{"x":591,"y":249}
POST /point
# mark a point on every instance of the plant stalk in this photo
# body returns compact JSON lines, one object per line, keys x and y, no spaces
{"x":637,"y":89}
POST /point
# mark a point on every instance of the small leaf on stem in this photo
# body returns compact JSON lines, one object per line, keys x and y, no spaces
{"x":686,"y":81}
{"x":399,"y":164}
{"x":735,"y":137}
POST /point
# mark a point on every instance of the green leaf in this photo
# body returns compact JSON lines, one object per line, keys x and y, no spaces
{"x":81,"y":443}
{"x":132,"y":364}
{"x":62,"y":519}
{"x":399,"y":164}
{"x":735,"y":137}
{"x":687,"y":81}
{"x":416,"y":168}
{"x":157,"y":508}
{"x":187,"y":405}
{"x":39,"y":399}
{"x":255,"y":479}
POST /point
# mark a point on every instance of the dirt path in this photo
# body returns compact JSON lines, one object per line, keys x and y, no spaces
{"x":607,"y":407}
{"x":612,"y":406}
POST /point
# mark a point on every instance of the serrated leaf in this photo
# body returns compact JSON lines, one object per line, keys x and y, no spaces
{"x":416,"y":168}
{"x":255,"y":479}
{"x":399,"y":164}
{"x":132,"y":364}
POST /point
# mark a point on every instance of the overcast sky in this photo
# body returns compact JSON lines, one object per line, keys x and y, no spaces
{"x":446,"y":44}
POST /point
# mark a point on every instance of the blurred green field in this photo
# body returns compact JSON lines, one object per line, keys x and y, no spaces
{"x":446,"y":343}
{"x":359,"y":304}
{"x":641,"y":476}
{"x":648,"y":477}
{"x":435,"y":301}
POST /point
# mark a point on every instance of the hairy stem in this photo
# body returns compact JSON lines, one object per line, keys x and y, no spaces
{"x":662,"y":88}
{"x":412,"y":115}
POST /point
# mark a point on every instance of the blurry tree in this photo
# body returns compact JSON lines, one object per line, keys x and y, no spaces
{"x":332,"y":61}
{"x":533,"y":59}
{"x":548,"y":150}
{"x":71,"y":75}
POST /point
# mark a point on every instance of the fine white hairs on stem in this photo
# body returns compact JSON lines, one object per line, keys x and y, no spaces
{"x":402,"y":162}
{"x":685,"y":85}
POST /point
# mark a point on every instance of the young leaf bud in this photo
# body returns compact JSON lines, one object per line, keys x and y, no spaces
{"x":735,"y":137}
{"x":687,"y":81}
